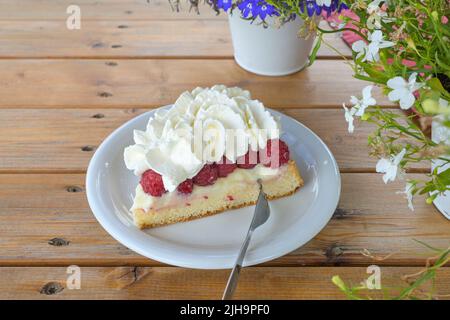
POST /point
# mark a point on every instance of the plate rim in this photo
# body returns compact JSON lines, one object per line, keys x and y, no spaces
{"x":118,"y":230}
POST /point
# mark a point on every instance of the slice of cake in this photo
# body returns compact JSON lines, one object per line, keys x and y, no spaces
{"x":205,"y":154}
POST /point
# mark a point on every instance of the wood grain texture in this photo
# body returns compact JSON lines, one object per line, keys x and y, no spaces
{"x":125,"y":39}
{"x":37,"y":208}
{"x":101,"y":10}
{"x":76,"y":87}
{"x":55,"y":140}
{"x":144,"y":83}
{"x":176,"y":283}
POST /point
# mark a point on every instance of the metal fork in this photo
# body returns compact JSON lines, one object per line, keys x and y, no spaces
{"x":261,"y":215}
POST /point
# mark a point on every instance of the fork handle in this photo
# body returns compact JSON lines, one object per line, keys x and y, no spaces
{"x":232,"y":283}
{"x":234,"y":276}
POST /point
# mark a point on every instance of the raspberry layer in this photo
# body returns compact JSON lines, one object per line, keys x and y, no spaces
{"x":236,"y":190}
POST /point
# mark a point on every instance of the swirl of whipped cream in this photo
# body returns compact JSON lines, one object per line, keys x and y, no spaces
{"x":201,"y":127}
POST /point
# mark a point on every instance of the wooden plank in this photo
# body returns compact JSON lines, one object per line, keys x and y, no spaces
{"x":165,"y":283}
{"x":121,"y":39}
{"x":55,"y":140}
{"x":101,"y":10}
{"x":115,"y":39}
{"x":146,"y":82}
{"x":36,"y":208}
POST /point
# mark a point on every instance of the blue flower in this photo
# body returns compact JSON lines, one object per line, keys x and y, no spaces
{"x":224,"y":4}
{"x":263,"y":9}
{"x":255,"y":8}
{"x":246,"y":7}
{"x":342,"y":6}
{"x":336,"y":5}
{"x":328,"y":10}
{"x":311,"y":7}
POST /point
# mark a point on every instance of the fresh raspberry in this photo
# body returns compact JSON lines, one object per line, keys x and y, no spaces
{"x":248,"y":161}
{"x":277,"y":157}
{"x":225,"y":167}
{"x":186,"y":186}
{"x":152,"y":183}
{"x":207,"y":175}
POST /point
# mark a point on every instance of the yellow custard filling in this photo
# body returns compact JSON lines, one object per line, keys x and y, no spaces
{"x":147,"y":202}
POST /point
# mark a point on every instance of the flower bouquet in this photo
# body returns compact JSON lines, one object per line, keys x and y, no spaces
{"x":403,"y":48}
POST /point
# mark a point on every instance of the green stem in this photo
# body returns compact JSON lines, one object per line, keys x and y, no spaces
{"x":343,"y":29}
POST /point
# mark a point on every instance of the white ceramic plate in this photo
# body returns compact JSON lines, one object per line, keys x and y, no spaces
{"x":213,"y":242}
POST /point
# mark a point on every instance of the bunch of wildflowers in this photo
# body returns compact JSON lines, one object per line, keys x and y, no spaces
{"x":253,"y":9}
{"x":404,"y":49}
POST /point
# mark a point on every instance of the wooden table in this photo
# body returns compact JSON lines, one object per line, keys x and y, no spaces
{"x":62,"y":92}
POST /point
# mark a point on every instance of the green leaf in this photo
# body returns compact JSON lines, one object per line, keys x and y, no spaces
{"x":427,"y":189}
{"x":440,"y":62}
{"x":430,"y":105}
{"x":365,"y":78}
{"x":435,"y":16}
{"x":444,"y":177}
{"x":339,"y":283}
{"x":430,"y":199}
{"x":313,"y":54}
{"x":436,"y":85}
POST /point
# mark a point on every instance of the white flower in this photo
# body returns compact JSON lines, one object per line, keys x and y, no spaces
{"x":377,"y":43}
{"x":376,"y":15}
{"x":326,"y":3}
{"x":366,"y":101}
{"x":403,"y":91}
{"x":390,"y":166}
{"x":440,"y":132}
{"x":374,"y":6}
{"x":408,"y":194}
{"x":360,"y":47}
{"x":370,"y":51}
{"x":349,"y":113}
{"x":359,"y":106}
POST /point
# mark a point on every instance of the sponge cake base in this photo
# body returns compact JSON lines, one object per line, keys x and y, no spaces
{"x":238,"y":189}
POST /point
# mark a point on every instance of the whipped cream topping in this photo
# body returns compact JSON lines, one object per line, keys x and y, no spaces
{"x":201,"y":127}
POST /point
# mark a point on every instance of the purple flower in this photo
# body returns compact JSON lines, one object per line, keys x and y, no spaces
{"x":311,"y":7}
{"x":246,"y":7}
{"x":336,"y":5}
{"x":224,"y":4}
{"x":328,"y":10}
{"x":254,"y":8}
{"x":342,"y":6}
{"x":263,"y":9}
